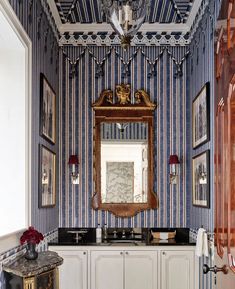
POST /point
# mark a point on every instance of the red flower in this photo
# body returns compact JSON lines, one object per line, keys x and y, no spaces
{"x":31,"y":236}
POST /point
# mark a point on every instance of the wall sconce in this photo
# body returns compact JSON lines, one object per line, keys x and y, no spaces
{"x":173,"y":162}
{"x":73,"y":160}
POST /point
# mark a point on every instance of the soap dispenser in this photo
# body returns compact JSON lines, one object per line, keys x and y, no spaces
{"x":98,"y":234}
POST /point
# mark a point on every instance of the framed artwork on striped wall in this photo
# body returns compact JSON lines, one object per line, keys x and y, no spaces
{"x":200,"y":116}
{"x":47,"y":110}
{"x":47,"y":175}
{"x":201,"y":180}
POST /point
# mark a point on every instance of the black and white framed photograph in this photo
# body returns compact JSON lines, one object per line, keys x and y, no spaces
{"x":47,"y":110}
{"x":201,"y":179}
{"x":47,"y":175}
{"x":201,"y":114}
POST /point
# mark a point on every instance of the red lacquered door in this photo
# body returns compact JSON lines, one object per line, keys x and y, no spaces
{"x":220,"y":192}
{"x":225,"y":148}
{"x":231,"y":176}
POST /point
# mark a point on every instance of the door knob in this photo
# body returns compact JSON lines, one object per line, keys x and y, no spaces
{"x":215,"y":269}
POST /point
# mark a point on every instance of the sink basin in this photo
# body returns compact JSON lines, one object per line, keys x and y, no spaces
{"x":123,"y":244}
{"x":126,"y":242}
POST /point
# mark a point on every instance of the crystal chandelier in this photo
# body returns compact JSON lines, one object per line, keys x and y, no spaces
{"x":126,"y":17}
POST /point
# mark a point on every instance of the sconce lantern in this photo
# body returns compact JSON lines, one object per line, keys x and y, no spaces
{"x":173,"y":162}
{"x":73,"y":160}
{"x":126,"y":17}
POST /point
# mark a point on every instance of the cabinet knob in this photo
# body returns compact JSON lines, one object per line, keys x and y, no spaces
{"x":127,"y":253}
{"x":164,"y":253}
{"x":121,"y":253}
{"x":84,"y":253}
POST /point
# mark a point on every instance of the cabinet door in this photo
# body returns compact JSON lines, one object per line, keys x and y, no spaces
{"x":177,"y":270}
{"x":140,"y":269}
{"x":107,"y":269}
{"x":73,"y":271}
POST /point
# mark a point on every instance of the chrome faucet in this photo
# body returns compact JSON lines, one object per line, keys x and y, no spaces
{"x":123,"y":234}
{"x":105,"y":232}
{"x":115,"y":234}
{"x":132,"y":234}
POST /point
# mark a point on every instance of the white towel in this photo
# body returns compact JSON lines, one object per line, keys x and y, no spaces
{"x":202,"y":243}
{"x":205,"y":245}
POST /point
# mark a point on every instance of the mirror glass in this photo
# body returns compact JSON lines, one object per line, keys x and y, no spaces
{"x":124,"y":162}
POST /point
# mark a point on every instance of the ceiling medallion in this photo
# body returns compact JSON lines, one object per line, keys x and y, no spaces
{"x":126,"y":17}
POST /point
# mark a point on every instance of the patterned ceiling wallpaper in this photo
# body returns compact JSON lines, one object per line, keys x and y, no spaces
{"x":89,"y":11}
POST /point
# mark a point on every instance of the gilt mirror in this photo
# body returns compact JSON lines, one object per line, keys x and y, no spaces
{"x":123,"y":152}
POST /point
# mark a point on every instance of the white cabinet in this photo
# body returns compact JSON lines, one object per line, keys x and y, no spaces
{"x":107,"y":270}
{"x":177,"y":269}
{"x":124,"y":269}
{"x":73,"y":272}
{"x":141,"y":269}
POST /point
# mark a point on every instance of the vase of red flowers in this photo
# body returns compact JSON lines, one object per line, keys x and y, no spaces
{"x":31,"y":237}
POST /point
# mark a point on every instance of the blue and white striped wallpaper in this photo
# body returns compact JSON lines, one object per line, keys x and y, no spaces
{"x":124,"y":131}
{"x":80,"y":88}
{"x":200,"y":69}
{"x":44,"y":59}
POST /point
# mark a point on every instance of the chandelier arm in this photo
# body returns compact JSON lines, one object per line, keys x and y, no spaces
{"x":141,"y":3}
{"x":107,"y":4}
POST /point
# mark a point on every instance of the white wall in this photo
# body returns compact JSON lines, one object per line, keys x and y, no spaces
{"x":13,"y":130}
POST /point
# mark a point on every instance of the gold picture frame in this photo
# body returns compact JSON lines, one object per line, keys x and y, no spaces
{"x":201,"y":116}
{"x":201,"y":180}
{"x":47,"y":177}
{"x":47,"y":110}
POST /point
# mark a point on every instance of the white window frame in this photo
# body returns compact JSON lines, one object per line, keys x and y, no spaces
{"x":12,"y":240}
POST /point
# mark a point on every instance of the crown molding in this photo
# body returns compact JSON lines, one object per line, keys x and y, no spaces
{"x":105,"y":27}
{"x":201,"y":11}
{"x":193,"y":13}
{"x":55,"y":13}
{"x":107,"y":40}
{"x":51,"y":17}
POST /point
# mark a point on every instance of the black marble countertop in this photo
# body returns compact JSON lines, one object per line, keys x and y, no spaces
{"x":28,"y":268}
{"x":170,"y":242}
{"x":87,"y":237}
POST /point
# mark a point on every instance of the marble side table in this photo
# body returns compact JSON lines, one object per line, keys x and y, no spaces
{"x":41,"y":273}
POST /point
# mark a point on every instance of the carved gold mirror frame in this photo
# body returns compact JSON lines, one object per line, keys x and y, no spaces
{"x":119,"y":109}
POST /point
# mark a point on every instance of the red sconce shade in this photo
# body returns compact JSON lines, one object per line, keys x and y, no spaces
{"x":173,"y":160}
{"x":73,"y":160}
